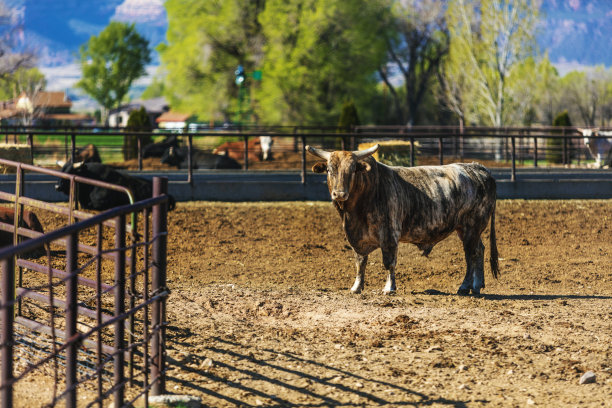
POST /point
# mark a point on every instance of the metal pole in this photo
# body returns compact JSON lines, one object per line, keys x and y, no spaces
{"x":72,"y":146}
{"x":119,"y":343}
{"x":246,"y":152}
{"x":564,"y":152}
{"x":6,"y":341}
{"x":513,"y":153}
{"x":158,"y":283}
{"x":189,"y":159}
{"x":411,"y":151}
{"x":303,"y":137}
{"x":139,"y":141}
{"x":71,"y":320}
{"x":440,"y":151}
{"x":31,"y":144}
{"x":535,"y":152}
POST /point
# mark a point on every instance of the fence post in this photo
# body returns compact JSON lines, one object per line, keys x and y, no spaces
{"x":411,"y":150}
{"x":72,"y":146}
{"x":71,"y":320}
{"x":303,"y":137}
{"x":189,"y":159}
{"x":513,"y":153}
{"x":119,"y":341}
{"x":440,"y":152}
{"x":246,"y":152}
{"x":564,"y":146}
{"x":139,"y":142}
{"x":6,"y":341}
{"x":535,"y":151}
{"x":31,"y":144}
{"x":158,"y":284}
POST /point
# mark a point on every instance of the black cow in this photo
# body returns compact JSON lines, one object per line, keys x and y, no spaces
{"x":158,"y":149}
{"x":199,"y":159}
{"x":99,"y":198}
{"x":381,"y":206}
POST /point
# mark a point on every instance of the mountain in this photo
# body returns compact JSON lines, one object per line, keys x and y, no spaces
{"x":575,"y":33}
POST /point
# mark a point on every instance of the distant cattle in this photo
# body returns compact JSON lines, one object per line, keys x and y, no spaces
{"x":100,"y":198}
{"x":199,"y":159}
{"x":258,"y":149}
{"x":29,"y":221}
{"x":158,"y":149}
{"x":599,"y":144}
{"x":381,"y":206}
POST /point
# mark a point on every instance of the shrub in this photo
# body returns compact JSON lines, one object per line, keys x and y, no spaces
{"x":138,"y":121}
{"x":554,"y":151}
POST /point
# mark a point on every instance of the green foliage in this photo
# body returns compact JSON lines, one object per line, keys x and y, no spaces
{"x":28,"y":80}
{"x":562,"y":119}
{"x":317,"y":54}
{"x":554,"y":151}
{"x":206,"y":41}
{"x":111,"y":61}
{"x":348,"y":116}
{"x":138,"y":121}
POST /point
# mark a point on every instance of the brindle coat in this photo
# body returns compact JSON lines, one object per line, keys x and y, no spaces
{"x":381,"y":206}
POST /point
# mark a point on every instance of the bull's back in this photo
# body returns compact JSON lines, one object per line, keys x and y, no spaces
{"x":440,"y":199}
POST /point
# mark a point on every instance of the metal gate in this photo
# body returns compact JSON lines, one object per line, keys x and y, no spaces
{"x":90,"y":311}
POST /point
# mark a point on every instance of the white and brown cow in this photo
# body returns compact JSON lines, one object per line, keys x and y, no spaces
{"x":381,"y":206}
{"x":599,"y":144}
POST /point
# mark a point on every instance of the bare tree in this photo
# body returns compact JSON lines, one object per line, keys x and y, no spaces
{"x":415,"y":52}
{"x":31,"y":102}
{"x":492,"y":36}
{"x":13,"y":52}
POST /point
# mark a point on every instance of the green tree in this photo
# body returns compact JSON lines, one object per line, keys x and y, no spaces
{"x":111,"y":61}
{"x":319,"y":53}
{"x":27,"y":82}
{"x":138,"y":121}
{"x":491,"y":37}
{"x":206,"y":41}
{"x":555,"y":145}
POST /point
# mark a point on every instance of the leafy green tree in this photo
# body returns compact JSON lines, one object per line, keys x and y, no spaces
{"x":554,"y":151}
{"x":28,"y":82}
{"x":111,"y":61}
{"x":348,"y":116}
{"x":491,"y":37}
{"x":206,"y":41}
{"x":319,"y":53}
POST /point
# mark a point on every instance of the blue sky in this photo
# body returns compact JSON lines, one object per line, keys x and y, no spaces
{"x":576,"y":33}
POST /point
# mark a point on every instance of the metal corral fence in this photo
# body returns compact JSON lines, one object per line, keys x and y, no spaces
{"x":525,"y":146}
{"x":84,"y":320}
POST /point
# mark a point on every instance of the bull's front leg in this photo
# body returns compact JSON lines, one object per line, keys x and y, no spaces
{"x":360,"y":261}
{"x":389,"y":261}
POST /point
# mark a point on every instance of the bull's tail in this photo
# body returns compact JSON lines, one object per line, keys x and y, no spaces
{"x":493,"y":244}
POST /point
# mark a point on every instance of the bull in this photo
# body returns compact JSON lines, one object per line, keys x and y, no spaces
{"x":99,"y":198}
{"x":158,"y":149}
{"x":86,"y":154}
{"x":29,"y":220}
{"x":258,"y":149}
{"x":199,"y":159}
{"x":381,"y":206}
{"x":599,"y":145}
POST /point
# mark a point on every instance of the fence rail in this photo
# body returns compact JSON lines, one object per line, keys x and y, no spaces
{"x":94,"y":303}
{"x":529,"y":146}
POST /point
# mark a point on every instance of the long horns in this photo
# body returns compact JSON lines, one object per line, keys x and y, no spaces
{"x":359,"y":154}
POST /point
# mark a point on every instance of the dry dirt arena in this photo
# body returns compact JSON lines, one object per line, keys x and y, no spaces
{"x":260,"y":312}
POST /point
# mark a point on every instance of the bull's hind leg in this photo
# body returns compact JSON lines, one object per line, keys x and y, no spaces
{"x":474,"y":258}
{"x":389,"y":261}
{"x":360,"y":261}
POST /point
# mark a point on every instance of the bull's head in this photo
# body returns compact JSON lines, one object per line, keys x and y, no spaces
{"x":341,"y":167}
{"x":63,"y":185}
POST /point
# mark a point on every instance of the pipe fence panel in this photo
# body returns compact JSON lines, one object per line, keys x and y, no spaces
{"x":82,"y":306}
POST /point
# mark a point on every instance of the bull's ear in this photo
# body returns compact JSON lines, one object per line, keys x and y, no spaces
{"x":363,"y":166}
{"x":319,"y":167}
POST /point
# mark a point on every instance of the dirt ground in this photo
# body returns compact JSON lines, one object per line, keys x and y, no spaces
{"x":260,"y":312}
{"x":261,"y":315}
